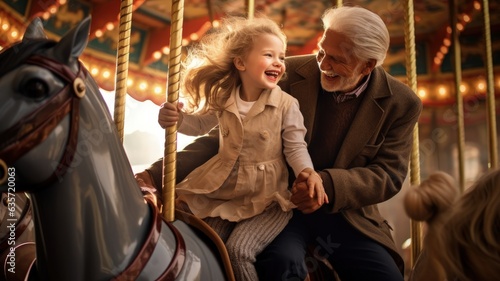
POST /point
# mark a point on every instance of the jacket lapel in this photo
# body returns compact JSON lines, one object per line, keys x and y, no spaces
{"x":231,"y":104}
{"x":366,"y":122}
{"x":268,"y":97}
{"x":306,"y":92}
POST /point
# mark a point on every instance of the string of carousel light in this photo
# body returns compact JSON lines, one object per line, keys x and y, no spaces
{"x":52,"y":9}
{"x":193,"y":37}
{"x":139,"y":83}
{"x":472,"y":86}
{"x":9,"y":28}
{"x":464,"y":19}
{"x":429,"y":91}
{"x":142,"y":86}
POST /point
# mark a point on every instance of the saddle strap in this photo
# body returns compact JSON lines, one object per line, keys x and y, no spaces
{"x":199,"y":224}
{"x":134,"y":269}
{"x":25,"y":256}
{"x":21,"y":225}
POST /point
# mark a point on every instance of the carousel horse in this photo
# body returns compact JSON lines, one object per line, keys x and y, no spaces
{"x":59,"y":146}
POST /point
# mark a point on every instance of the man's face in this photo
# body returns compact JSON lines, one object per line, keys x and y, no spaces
{"x":340,"y":70}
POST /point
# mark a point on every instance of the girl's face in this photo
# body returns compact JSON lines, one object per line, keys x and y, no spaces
{"x":264,"y":65}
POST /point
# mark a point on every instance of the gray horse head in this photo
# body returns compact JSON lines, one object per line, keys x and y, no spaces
{"x":59,"y":144}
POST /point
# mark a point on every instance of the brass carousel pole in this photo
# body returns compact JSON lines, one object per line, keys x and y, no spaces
{"x":490,"y":101}
{"x":459,"y":101}
{"x":174,"y":66}
{"x":411,"y":74}
{"x":122,"y":64}
{"x":250,"y":4}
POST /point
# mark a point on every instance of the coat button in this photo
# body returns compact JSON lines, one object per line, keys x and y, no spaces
{"x":261,"y":167}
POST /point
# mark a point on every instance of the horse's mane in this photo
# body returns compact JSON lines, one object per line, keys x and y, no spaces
{"x":20,"y":51}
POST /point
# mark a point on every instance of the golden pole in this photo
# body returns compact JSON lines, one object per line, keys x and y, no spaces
{"x":122,"y":64}
{"x":210,"y":9}
{"x":170,"y":152}
{"x":490,"y":101}
{"x":339,"y":3}
{"x":459,"y":101}
{"x":411,"y":74}
{"x":250,"y":4}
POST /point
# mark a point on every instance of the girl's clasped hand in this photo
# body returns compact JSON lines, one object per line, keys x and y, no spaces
{"x":169,"y":114}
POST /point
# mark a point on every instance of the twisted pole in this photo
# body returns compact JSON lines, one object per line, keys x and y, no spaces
{"x":122,"y":64}
{"x":490,"y":97}
{"x":457,"y":75}
{"x":411,"y":74}
{"x":170,"y":152}
{"x":250,"y":4}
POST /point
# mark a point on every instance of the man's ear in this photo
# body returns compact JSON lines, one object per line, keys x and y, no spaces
{"x":370,"y":65}
{"x":238,"y":63}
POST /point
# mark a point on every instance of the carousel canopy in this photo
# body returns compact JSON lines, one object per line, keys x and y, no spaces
{"x":151,"y":22}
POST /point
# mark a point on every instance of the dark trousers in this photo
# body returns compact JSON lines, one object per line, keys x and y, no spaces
{"x":353,"y":255}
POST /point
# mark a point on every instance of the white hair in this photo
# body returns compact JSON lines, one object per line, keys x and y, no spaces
{"x":366,"y":30}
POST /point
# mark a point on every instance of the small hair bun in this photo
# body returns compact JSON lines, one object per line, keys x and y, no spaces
{"x":432,"y":196}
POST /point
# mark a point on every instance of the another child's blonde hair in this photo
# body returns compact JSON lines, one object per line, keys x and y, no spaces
{"x":210,"y":75}
{"x":463,"y":239}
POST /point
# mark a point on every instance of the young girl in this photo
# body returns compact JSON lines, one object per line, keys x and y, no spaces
{"x":242,"y":192}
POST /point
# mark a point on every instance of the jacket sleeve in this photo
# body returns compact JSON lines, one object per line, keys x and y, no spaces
{"x":192,"y":156}
{"x":294,"y":145}
{"x":378,"y":173}
{"x":197,"y":124}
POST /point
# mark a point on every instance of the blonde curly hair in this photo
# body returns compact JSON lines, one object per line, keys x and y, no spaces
{"x":209,"y":74}
{"x":463,"y":236}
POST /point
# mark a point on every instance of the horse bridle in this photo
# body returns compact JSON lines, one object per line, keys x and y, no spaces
{"x":34,"y":128}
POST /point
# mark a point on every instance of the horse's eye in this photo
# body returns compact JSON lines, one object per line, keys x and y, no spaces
{"x":36,"y":89}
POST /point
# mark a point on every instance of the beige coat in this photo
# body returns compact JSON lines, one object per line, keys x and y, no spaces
{"x":254,"y":147}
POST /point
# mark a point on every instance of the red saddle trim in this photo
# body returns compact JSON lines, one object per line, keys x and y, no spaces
{"x":174,"y":268}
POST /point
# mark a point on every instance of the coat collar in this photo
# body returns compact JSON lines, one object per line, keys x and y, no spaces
{"x":367,"y":122}
{"x":268,"y":97}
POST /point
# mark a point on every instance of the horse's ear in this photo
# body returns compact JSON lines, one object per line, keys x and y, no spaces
{"x":35,"y":30}
{"x":74,"y":42}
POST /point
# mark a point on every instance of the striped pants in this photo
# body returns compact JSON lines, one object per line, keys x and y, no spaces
{"x":247,"y":238}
